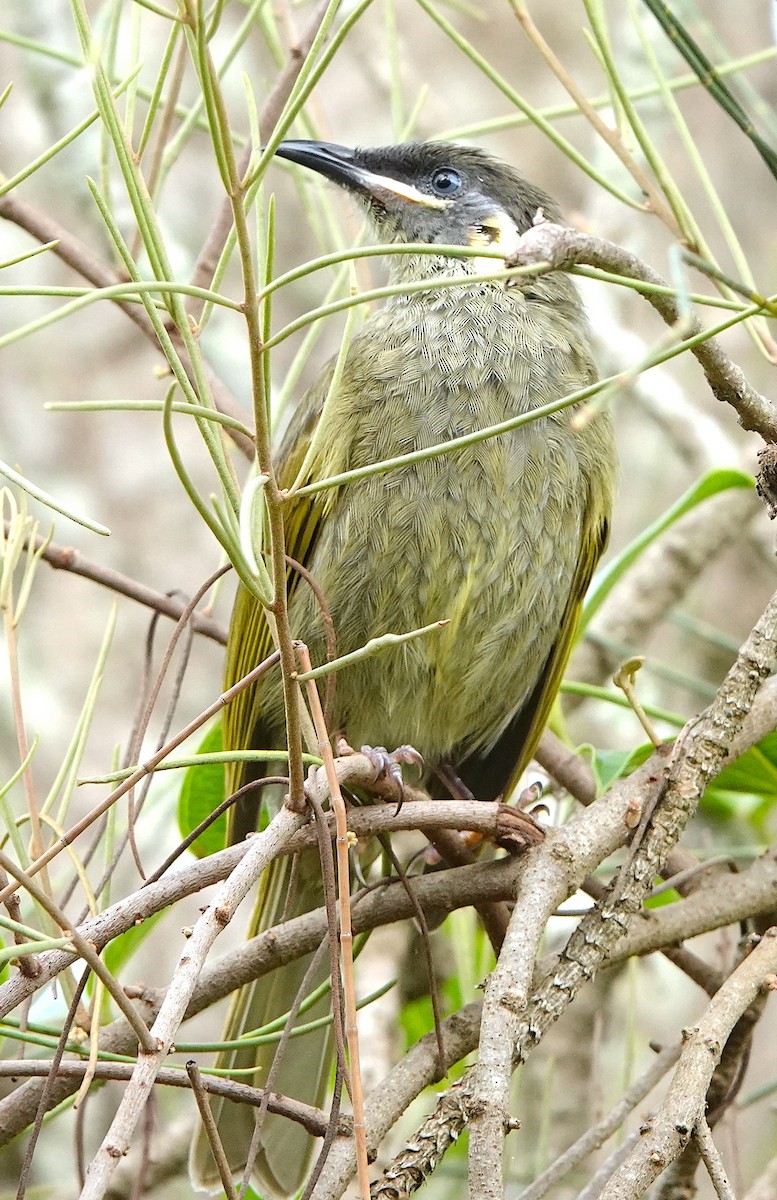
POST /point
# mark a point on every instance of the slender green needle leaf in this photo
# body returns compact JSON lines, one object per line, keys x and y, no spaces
{"x":20,"y":258}
{"x":594,"y":692}
{"x":37,"y":493}
{"x":710,"y":79}
{"x":178,"y":406}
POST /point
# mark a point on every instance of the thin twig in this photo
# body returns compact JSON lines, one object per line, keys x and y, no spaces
{"x":28,"y":963}
{"x":611,"y":137}
{"x":66,"y":558}
{"x":261,"y":850}
{"x":328,"y":875}
{"x":697,"y":757}
{"x":314,"y":1120}
{"x":342,"y":843}
{"x":593,"y":1188}
{"x":183,"y":625}
{"x":712,"y":1160}
{"x":683,"y":1108}
{"x":253,"y":785}
{"x":144,"y":769}
{"x":211,"y":1129}
{"x":86,"y":951}
{"x":736,"y":897}
{"x":51,"y":1074}
{"x":599,"y":1133}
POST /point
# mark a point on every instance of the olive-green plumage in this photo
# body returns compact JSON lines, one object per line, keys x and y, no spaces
{"x":500,"y":538}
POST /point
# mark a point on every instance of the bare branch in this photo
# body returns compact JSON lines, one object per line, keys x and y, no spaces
{"x":599,"y":1133}
{"x":696,"y":758}
{"x":211,"y":1129}
{"x":490,"y":819}
{"x":261,"y":850}
{"x":562,"y":248}
{"x":712,"y":1160}
{"x":66,"y":558}
{"x":314,"y":1120}
{"x":683,"y":1108}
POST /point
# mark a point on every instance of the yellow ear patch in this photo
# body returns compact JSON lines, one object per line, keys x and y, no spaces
{"x":497,"y":231}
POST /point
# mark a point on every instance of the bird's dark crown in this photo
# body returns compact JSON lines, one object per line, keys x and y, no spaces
{"x":436,"y":192}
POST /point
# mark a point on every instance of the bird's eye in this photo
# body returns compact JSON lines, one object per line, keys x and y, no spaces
{"x":446,"y":181}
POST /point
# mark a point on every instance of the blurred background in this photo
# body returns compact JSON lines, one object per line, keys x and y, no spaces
{"x":399,"y":74}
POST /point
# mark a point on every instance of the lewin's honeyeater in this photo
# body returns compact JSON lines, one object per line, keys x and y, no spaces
{"x":500,"y":537}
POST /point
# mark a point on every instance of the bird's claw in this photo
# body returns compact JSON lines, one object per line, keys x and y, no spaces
{"x":388,"y":767}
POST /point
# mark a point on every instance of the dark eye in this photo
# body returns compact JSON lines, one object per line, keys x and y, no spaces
{"x":446,"y":181}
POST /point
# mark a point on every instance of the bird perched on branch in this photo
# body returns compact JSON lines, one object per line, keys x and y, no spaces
{"x":499,"y":537}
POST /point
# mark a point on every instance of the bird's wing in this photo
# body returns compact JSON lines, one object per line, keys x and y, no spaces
{"x":498,"y":771}
{"x":250,"y":638}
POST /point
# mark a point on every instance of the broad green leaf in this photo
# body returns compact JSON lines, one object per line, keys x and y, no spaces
{"x":747,"y":788}
{"x":203,"y":790}
{"x":605,"y":580}
{"x":611,"y":765}
{"x":670,"y":896}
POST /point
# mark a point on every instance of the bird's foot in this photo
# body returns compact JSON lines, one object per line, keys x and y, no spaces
{"x":455,"y":785}
{"x":388,"y":783}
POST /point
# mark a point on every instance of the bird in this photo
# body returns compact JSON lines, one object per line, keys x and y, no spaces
{"x":499,"y":538}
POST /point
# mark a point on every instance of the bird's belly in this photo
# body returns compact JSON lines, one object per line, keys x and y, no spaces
{"x":483,"y":539}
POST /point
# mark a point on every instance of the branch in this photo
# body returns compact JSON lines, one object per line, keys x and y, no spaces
{"x":683,"y":1108}
{"x":66,"y":558}
{"x":262,"y":848}
{"x":725,"y":901}
{"x":493,"y":820}
{"x":727,"y":1078}
{"x":712,"y":1160}
{"x":740,"y":896}
{"x":314,"y":1120}
{"x":558,"y":248}
{"x":697,"y":757}
{"x":715,"y":906}
{"x":598,"y":1134}
{"x":390,"y":1099}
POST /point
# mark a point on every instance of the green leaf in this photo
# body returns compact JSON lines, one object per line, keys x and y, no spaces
{"x":670,"y":896}
{"x":203,"y":790}
{"x":605,"y":580}
{"x":710,"y":80}
{"x":746,"y":788}
{"x":611,"y":765}
{"x":416,"y":1019}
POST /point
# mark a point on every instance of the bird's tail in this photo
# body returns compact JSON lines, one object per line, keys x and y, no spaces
{"x":286,"y":1148}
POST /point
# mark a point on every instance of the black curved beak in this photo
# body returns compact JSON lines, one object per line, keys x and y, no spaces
{"x":341,"y":164}
{"x":334,"y":162}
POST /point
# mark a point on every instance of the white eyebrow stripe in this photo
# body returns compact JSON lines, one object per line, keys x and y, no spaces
{"x":405,"y":190}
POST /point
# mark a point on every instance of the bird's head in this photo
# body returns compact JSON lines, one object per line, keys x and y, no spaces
{"x":434,"y":192}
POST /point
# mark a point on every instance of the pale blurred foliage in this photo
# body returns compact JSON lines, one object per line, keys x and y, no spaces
{"x":114,"y":466}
